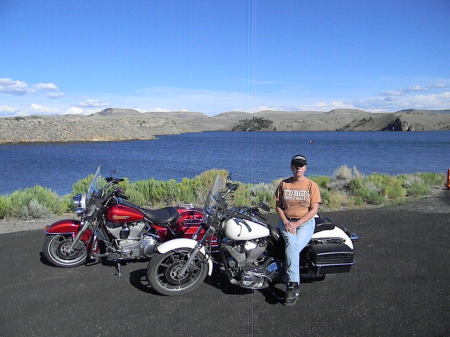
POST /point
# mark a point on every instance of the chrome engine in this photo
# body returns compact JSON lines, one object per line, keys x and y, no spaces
{"x":249,"y":265}
{"x":132,"y":240}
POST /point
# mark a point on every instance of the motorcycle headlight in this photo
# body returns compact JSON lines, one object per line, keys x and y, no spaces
{"x":80,"y":211}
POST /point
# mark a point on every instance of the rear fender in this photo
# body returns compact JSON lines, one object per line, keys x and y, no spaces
{"x":184,"y":243}
{"x":334,"y":233}
{"x":68,"y":227}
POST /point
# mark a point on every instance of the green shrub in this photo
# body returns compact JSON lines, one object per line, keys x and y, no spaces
{"x":2,"y":207}
{"x":262,"y":193}
{"x":322,"y":181}
{"x":343,"y":172}
{"x":242,"y":196}
{"x":432,"y":179}
{"x":81,"y":185}
{"x":371,"y":197}
{"x":36,"y":201}
{"x":334,"y":200}
{"x":151,"y":190}
{"x":375,"y":189}
{"x":356,"y":184}
{"x":394,"y":191}
{"x":136,"y":196}
{"x":416,"y":187}
{"x":367,"y":190}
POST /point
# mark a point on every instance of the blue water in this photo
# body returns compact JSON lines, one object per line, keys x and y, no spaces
{"x":249,"y":156}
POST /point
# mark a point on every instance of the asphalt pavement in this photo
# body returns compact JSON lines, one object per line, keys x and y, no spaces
{"x":398,"y":287}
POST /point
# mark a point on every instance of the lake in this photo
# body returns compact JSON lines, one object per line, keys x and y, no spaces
{"x":249,"y":156}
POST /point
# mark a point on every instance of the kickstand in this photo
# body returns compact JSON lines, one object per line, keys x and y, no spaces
{"x":119,"y":274}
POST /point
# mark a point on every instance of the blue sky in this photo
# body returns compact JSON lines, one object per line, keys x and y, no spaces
{"x":60,"y":57}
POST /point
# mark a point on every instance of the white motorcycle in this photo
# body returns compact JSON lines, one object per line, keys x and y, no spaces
{"x":249,"y":251}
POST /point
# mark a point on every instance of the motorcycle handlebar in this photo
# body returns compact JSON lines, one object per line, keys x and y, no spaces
{"x":113,"y":180}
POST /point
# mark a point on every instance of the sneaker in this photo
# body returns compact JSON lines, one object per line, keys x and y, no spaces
{"x":292,"y":291}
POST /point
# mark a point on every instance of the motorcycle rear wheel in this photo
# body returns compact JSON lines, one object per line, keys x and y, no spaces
{"x":163,"y":277}
{"x":56,"y":251}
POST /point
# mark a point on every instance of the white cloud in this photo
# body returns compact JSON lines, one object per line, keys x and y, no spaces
{"x":93,"y":102}
{"x":437,"y":101}
{"x":414,"y":88}
{"x":19,"y":88}
{"x":57,"y":94}
{"x":7,"y":110}
{"x":74,"y":110}
{"x":37,"y":108}
{"x":157,"y":109}
{"x":45,"y":86}
{"x":13,"y":87}
{"x":328,"y":106}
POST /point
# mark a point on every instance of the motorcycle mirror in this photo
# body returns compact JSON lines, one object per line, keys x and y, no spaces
{"x":231,"y":187}
{"x":264,"y":207}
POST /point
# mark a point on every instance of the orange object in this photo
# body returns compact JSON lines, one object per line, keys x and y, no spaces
{"x":448,"y":179}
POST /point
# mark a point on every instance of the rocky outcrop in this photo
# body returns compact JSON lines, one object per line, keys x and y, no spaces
{"x":399,"y":125}
{"x":254,"y":124}
{"x":411,"y":120}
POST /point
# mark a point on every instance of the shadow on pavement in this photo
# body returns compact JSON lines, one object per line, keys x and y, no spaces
{"x":138,"y":279}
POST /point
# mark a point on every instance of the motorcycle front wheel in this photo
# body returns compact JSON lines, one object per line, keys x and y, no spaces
{"x":56,"y":251}
{"x":163,"y":276}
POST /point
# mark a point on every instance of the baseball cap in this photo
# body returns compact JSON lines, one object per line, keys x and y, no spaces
{"x":298,"y":160}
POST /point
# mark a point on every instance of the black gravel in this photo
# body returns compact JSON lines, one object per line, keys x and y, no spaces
{"x":399,"y":287}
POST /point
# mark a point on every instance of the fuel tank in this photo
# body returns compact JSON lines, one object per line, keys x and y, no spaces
{"x":240,"y":229}
{"x":121,"y":213}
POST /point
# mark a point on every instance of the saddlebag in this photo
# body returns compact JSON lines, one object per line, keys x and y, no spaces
{"x":331,"y":258}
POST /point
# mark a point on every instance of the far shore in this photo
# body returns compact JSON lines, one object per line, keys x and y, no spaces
{"x":155,"y":137}
{"x":126,"y":124}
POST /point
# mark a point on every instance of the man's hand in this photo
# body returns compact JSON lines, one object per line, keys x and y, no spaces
{"x":291,"y":227}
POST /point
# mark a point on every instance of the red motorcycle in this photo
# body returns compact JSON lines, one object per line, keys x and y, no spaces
{"x":111,"y":227}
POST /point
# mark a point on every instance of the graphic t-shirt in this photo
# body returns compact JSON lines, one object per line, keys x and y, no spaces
{"x":295,"y":198}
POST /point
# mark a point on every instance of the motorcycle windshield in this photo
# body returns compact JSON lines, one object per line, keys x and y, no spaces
{"x":93,"y":186}
{"x":214,"y":196}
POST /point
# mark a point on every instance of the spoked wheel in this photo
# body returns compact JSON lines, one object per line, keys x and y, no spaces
{"x":56,"y":251}
{"x":163,"y":272}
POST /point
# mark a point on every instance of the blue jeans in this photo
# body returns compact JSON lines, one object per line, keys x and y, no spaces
{"x":294,"y":245}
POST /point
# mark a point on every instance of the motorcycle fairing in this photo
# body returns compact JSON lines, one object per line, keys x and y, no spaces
{"x":184,"y":243}
{"x":67,"y":227}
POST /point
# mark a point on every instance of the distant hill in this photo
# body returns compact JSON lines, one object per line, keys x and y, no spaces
{"x":117,"y":112}
{"x":126,"y":124}
{"x":425,"y":111}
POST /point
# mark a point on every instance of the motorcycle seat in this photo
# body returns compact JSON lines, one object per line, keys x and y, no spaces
{"x":323,"y":224}
{"x":161,"y":216}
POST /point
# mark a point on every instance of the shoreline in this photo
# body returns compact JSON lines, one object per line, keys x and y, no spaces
{"x":156,"y":136}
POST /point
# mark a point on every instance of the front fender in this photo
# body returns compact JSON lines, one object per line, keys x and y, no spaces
{"x":184,"y":243}
{"x":67,"y":227}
